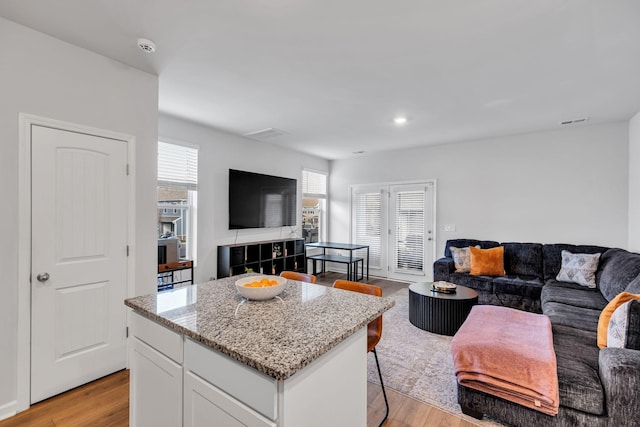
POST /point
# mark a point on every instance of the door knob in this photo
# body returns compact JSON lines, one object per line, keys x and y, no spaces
{"x":42,"y":277}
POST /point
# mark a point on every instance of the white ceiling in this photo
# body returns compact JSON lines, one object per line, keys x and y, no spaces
{"x":332,"y":74}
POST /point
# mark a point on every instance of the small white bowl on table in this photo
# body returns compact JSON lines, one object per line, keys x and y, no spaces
{"x":260,"y":293}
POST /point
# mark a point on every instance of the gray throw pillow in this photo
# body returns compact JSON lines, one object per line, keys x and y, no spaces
{"x":461,"y":259}
{"x":579,"y":268}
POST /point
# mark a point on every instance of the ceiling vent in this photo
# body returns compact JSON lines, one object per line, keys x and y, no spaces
{"x":574,"y":121}
{"x":267,"y":133}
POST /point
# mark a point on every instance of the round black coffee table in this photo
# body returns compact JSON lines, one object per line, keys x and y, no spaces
{"x":439,"y":312}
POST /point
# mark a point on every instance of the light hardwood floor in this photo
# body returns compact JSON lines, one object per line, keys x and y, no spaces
{"x":105,"y":402}
{"x":101,"y":403}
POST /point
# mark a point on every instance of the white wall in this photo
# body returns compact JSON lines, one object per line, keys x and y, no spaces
{"x":46,"y":77}
{"x":218,"y":152}
{"x":569,"y":185}
{"x":634,"y":183}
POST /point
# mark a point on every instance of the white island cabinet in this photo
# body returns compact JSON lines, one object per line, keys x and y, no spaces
{"x":156,"y":379}
{"x":200,"y":356}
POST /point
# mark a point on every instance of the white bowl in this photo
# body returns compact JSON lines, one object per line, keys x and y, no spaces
{"x":260,"y":294}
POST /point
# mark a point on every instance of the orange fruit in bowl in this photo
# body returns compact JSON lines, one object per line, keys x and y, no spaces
{"x":263,"y":283}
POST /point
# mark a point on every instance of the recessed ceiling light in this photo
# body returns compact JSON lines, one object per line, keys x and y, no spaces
{"x":400,"y":120}
{"x":146,"y":45}
{"x":359,"y":152}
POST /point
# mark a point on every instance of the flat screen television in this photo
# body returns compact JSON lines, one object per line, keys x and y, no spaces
{"x":261,"y":201}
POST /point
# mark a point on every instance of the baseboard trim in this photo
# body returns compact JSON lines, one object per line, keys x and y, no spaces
{"x":8,"y":410}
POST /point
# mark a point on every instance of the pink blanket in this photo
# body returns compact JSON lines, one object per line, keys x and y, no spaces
{"x":508,"y":353}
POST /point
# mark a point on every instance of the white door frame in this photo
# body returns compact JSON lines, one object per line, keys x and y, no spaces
{"x":432,"y":181}
{"x":24,"y":236}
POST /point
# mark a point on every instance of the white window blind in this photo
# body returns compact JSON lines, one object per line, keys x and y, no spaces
{"x":177,"y":166}
{"x":368,"y":223}
{"x":410,"y":230}
{"x":314,"y":184}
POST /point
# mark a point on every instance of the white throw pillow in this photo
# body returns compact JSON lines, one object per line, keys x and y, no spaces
{"x":579,"y":268}
{"x":461,"y":259}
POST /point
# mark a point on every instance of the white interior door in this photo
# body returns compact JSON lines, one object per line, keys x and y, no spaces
{"x":396,"y":221}
{"x":78,"y":259}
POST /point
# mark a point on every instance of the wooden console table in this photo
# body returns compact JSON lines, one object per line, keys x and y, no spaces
{"x":167,"y":274}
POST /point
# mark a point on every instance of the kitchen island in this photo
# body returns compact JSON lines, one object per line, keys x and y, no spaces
{"x":203,"y":355}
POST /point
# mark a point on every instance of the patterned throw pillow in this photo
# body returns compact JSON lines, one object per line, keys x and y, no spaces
{"x":461,"y":259}
{"x":607,"y":312}
{"x":624,"y":326}
{"x":579,"y":268}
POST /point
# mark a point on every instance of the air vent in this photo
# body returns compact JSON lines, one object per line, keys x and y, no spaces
{"x":267,"y":133}
{"x":574,"y":121}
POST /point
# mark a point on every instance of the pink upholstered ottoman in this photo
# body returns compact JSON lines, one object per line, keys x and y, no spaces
{"x":508,"y":353}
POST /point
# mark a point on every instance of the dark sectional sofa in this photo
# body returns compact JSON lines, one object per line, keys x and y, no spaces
{"x":598,"y":387}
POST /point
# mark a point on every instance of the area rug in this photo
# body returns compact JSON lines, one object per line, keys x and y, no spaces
{"x":416,"y":363}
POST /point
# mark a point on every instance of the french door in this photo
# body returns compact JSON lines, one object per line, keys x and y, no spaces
{"x":396,"y":221}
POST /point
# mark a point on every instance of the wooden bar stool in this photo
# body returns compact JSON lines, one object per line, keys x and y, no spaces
{"x":374,"y":328}
{"x":300,"y":277}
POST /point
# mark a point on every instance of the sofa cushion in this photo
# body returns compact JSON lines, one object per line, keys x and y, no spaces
{"x":487,"y":262}
{"x":578,"y":368}
{"x":578,"y":371}
{"x":617,"y":269}
{"x":579,"y":268}
{"x":527,"y":286}
{"x":465,"y":243}
{"x":581,"y":336}
{"x":572,"y":316}
{"x":552,"y":258}
{"x":572,"y":294}
{"x":624,"y":326}
{"x":523,"y":259}
{"x":480,"y":283}
{"x":607,"y":312}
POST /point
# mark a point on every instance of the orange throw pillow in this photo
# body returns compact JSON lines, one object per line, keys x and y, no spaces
{"x":605,"y":316}
{"x":487,"y":262}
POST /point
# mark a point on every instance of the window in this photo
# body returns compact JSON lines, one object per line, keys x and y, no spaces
{"x":314,"y":206}
{"x":178,"y":195}
{"x":368,"y":222}
{"x":409,"y":229}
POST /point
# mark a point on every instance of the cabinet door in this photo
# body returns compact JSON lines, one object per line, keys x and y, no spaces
{"x":155,"y":388}
{"x":206,"y":405}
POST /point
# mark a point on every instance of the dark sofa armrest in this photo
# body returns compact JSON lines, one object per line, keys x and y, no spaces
{"x":442,"y":269}
{"x":620,"y":376}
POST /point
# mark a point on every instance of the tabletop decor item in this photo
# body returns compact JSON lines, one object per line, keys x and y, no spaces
{"x":445,"y":287}
{"x":260,"y":288}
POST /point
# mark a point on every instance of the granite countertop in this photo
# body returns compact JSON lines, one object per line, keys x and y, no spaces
{"x":277,"y":337}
